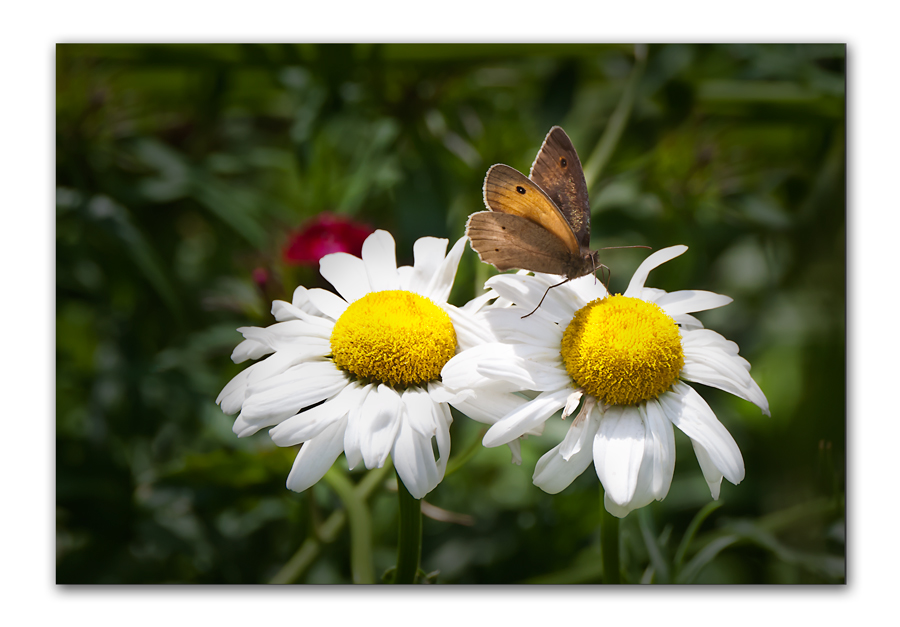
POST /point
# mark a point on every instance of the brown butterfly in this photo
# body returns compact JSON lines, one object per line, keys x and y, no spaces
{"x":541,"y":223}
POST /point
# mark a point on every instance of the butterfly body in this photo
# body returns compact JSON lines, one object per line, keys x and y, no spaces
{"x":539,"y":223}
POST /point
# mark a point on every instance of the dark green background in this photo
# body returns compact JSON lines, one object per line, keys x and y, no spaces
{"x":182,"y":168}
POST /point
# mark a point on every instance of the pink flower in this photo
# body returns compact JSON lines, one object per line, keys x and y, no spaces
{"x":323,"y":235}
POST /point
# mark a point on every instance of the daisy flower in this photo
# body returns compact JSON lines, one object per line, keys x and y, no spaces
{"x":359,"y":372}
{"x":624,"y":360}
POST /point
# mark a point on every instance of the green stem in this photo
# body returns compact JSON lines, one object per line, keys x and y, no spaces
{"x":361,"y":568}
{"x":617,"y":121}
{"x":609,"y":544}
{"x":328,"y":531}
{"x":409,"y":546}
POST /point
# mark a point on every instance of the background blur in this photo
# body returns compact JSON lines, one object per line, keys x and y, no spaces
{"x":185,"y":171}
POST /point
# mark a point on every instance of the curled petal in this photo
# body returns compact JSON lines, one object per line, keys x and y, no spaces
{"x":636,"y":286}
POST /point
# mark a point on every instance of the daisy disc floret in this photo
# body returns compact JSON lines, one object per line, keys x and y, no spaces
{"x":393,"y":337}
{"x":358,"y":371}
{"x":618,"y":364}
{"x":622,"y":350}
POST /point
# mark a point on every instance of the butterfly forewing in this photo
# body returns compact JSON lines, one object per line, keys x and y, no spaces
{"x":508,"y":191}
{"x":510,"y":241}
{"x":557,"y":170}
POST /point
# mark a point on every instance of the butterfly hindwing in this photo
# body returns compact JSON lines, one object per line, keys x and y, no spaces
{"x":509,"y":241}
{"x":508,"y":191}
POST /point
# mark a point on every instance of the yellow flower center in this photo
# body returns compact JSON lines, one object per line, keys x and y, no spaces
{"x":622,"y":350}
{"x":394,"y":337}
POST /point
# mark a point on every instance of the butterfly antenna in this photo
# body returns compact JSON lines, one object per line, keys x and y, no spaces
{"x":543,"y":297}
{"x":635,"y":246}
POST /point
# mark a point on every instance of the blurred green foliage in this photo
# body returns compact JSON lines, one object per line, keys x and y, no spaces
{"x":181,"y":169}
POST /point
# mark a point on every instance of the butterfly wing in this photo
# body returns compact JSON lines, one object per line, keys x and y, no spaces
{"x":508,"y":191}
{"x":509,"y":241}
{"x":557,"y":170}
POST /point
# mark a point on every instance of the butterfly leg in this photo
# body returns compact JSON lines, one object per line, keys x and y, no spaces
{"x":545,"y":296}
{"x":608,"y":276}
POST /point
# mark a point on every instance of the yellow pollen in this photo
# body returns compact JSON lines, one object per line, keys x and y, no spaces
{"x":394,"y":337}
{"x":622,"y":350}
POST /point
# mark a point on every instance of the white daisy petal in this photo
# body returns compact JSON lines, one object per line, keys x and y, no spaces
{"x":273,"y":365}
{"x":530,"y":367}
{"x":572,"y":403}
{"x":710,"y":473}
{"x":300,"y":301}
{"x":658,"y":258}
{"x":689,"y":412}
{"x":232,"y":395}
{"x":242,"y":428}
{"x":688,"y":322}
{"x":414,"y":460}
{"x":515,"y":449}
{"x":285,"y":394}
{"x":440,"y":393}
{"x":347,"y":274}
{"x":293,"y":334}
{"x":310,"y":423}
{"x":586,"y":289}
{"x":352,"y":435}
{"x":553,"y":473}
{"x":510,"y":327}
{"x":428,"y":253}
{"x":316,"y":457}
{"x":327,"y":302}
{"x":689,"y":301}
{"x":659,"y":448}
{"x":419,"y":411}
{"x":442,"y":282}
{"x":712,"y":360}
{"x":525,"y":418}
{"x":250,"y":349}
{"x":517,"y":367}
{"x":285,"y":311}
{"x":479,"y":302}
{"x":380,"y":257}
{"x":442,"y":436}
{"x":580,"y":433}
{"x":469,"y":331}
{"x":380,"y":421}
{"x":527,"y":291}
{"x":489,"y":405}
{"x":618,"y":452}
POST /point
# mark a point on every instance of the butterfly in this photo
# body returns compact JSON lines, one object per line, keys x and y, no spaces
{"x":540,"y":223}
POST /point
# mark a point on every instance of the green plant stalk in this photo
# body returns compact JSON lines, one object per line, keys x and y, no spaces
{"x":309,"y":550}
{"x":617,"y":121}
{"x":361,"y":567}
{"x":409,"y":545}
{"x":609,"y":544}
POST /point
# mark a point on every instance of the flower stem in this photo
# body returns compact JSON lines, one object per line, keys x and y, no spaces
{"x":609,"y":544}
{"x":617,"y":121}
{"x":409,"y":545}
